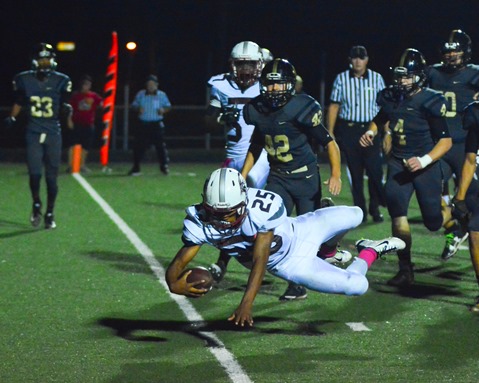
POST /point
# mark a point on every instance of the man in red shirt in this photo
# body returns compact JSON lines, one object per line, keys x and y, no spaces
{"x":85,"y":103}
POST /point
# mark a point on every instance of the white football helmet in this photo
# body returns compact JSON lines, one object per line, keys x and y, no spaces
{"x":267,"y":55}
{"x":225,"y":200}
{"x":246,"y":62}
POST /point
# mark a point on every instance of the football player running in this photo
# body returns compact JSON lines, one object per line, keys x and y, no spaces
{"x":469,"y":216}
{"x":420,"y":137}
{"x":43,"y":93}
{"x":458,"y":80}
{"x":229,"y":93}
{"x":285,"y":123}
{"x":252,"y":226}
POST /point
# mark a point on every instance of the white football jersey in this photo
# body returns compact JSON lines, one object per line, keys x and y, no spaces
{"x":266,"y":212}
{"x":225,"y":93}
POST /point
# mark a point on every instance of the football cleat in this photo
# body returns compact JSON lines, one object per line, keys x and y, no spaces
{"x":475,"y":307}
{"x":326,"y":202}
{"x":217,"y":272}
{"x":294,"y":292}
{"x":404,"y":278}
{"x":50,"y":221}
{"x":36,"y":216}
{"x":165,"y":169}
{"x":341,"y":256}
{"x":453,"y":242}
{"x":383,"y":246}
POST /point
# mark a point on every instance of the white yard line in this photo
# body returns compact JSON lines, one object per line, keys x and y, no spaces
{"x":357,"y":326}
{"x":225,"y":358}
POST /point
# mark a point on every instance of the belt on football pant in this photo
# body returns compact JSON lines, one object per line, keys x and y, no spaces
{"x":298,"y":170}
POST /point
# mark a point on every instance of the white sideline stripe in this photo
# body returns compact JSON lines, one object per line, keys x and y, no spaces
{"x":357,"y":326}
{"x":225,"y":358}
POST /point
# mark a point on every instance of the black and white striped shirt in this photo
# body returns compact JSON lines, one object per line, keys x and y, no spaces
{"x":357,"y":95}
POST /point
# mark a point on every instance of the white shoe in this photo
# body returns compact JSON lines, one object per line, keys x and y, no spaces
{"x":382,"y":246}
{"x":341,"y":256}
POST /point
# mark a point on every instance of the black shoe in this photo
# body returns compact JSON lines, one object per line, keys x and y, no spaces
{"x":404,"y":278}
{"x":326,"y":202}
{"x":165,"y":170}
{"x":50,"y":221}
{"x":378,"y":218}
{"x":294,"y":292}
{"x":36,"y":216}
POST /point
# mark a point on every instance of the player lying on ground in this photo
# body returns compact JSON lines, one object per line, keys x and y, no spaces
{"x":252,"y":225}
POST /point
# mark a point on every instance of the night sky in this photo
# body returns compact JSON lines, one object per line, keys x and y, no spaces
{"x":185,"y":42}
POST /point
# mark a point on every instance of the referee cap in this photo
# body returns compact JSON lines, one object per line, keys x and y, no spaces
{"x":152,"y":77}
{"x":358,"y":51}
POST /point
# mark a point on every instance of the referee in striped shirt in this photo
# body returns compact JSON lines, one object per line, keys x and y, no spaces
{"x":353,"y":106}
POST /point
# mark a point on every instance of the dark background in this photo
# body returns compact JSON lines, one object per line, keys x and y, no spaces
{"x":185,"y":42}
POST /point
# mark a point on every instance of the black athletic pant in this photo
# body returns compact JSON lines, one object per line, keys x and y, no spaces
{"x":359,"y":160}
{"x":147,"y":134}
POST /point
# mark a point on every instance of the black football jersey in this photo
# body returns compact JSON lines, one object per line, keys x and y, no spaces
{"x":471,"y":127}
{"x":42,"y":99}
{"x":284,"y":132}
{"x":458,"y":88}
{"x":408,"y":121}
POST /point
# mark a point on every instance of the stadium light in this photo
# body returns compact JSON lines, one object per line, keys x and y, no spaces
{"x":131,"y":45}
{"x":63,"y":46}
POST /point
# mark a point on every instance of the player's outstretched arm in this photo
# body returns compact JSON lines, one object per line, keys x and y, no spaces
{"x":261,"y":251}
{"x":176,"y":280}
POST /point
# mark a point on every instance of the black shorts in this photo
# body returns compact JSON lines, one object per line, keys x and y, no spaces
{"x":43,"y":149}
{"x":81,"y":135}
{"x":299,"y":190}
{"x":427,"y":183}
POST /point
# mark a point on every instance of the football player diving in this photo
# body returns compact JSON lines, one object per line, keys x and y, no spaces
{"x":458,"y":80}
{"x":252,"y":225}
{"x":42,"y":93}
{"x":420,"y":137}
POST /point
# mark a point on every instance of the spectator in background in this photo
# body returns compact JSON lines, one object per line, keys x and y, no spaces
{"x":353,"y":106}
{"x":42,"y":93}
{"x":85,"y":103}
{"x":151,"y":104}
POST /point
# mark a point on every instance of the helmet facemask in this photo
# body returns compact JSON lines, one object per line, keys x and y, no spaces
{"x":276,"y":91}
{"x":226,"y":221}
{"x":225,"y":200}
{"x":44,"y":59}
{"x":246,"y":72}
{"x":402,"y":87}
{"x":452,"y":56}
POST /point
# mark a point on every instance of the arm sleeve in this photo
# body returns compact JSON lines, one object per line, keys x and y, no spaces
{"x":471,"y":124}
{"x":381,"y":118}
{"x":321,"y":135}
{"x":438,"y":127}
{"x":256,"y":144}
{"x":19,"y":95}
{"x":66,"y":91}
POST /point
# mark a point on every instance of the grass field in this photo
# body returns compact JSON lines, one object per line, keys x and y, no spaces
{"x":81,"y":304}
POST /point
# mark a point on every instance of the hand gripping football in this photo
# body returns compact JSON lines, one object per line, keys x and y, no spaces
{"x":200,"y":273}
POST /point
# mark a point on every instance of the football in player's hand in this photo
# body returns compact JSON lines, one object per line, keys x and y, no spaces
{"x":200,"y":273}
